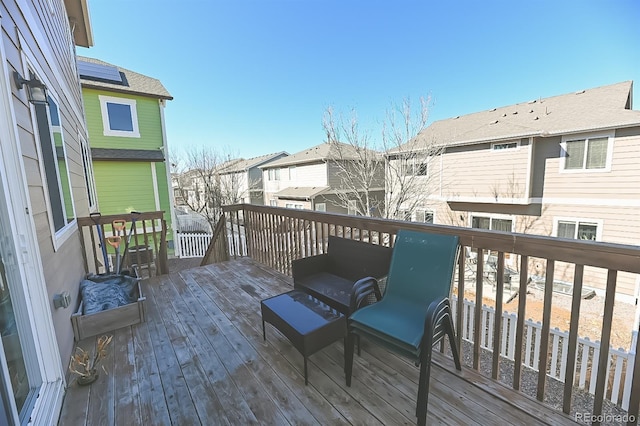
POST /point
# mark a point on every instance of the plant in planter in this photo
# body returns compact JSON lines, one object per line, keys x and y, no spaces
{"x":84,"y":364}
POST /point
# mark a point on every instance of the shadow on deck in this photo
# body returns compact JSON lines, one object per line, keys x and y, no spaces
{"x":200,"y":359}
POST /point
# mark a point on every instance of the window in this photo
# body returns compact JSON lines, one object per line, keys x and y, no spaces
{"x":424,"y":216}
{"x":54,"y":158}
{"x":352,"y":207}
{"x":119,"y":117}
{"x":492,"y":223}
{"x":273,"y":203}
{"x":586,"y":154}
{"x":274,"y":174}
{"x":577,"y":229}
{"x":292,"y":173}
{"x":501,"y":146}
{"x":294,"y":206}
{"x":89,"y":179}
{"x":321,"y":207}
{"x":414,"y":166}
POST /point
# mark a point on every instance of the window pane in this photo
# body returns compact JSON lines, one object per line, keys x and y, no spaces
{"x":428,"y":217}
{"x":597,"y":153}
{"x":567,"y":230}
{"x":480,"y":222}
{"x":587,"y":231}
{"x":120,"y":117}
{"x":575,"y":155}
{"x":501,"y":225}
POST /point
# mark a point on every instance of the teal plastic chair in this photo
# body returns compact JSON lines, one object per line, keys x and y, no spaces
{"x":414,"y":313}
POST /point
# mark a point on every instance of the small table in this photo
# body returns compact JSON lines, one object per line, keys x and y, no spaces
{"x":309,"y":324}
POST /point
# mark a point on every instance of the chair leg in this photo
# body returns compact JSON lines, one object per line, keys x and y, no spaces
{"x":455,"y":351}
{"x":423,"y":386}
{"x":348,"y":357}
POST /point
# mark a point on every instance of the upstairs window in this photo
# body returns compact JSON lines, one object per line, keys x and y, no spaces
{"x":414,"y":166}
{"x":352,"y":207}
{"x":321,"y":207}
{"x":502,"y":146}
{"x":586,"y":154}
{"x":119,"y":117}
{"x":274,"y":174}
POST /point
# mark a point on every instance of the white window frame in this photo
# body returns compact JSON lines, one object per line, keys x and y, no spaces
{"x":425,"y":211}
{"x":60,"y":236}
{"x":512,"y":148}
{"x":292,"y":173}
{"x":586,"y":137}
{"x":135,"y":133}
{"x":578,"y":220}
{"x":491,"y":217}
{"x":296,"y":206}
{"x":320,"y":207}
{"x":273,"y":203}
{"x":273,"y":174}
{"x":87,"y":163}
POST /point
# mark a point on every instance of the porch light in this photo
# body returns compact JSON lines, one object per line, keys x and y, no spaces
{"x":36,"y":90}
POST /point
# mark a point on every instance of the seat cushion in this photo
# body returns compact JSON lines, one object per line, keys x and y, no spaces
{"x":398,"y":324}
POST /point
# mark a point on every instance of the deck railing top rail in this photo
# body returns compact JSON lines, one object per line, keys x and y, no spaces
{"x":589,"y":253}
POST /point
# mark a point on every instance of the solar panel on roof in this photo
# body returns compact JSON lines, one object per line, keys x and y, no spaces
{"x":99,"y":71}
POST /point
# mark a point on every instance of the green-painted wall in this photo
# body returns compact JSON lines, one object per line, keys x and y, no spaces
{"x":123,"y":186}
{"x":149,"y":123}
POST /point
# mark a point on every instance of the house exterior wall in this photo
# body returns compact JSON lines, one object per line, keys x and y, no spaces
{"x":482,"y":173}
{"x":610,"y":199}
{"x":35,"y":37}
{"x":116,"y":174}
{"x":305,"y":175}
{"x":149,"y":122}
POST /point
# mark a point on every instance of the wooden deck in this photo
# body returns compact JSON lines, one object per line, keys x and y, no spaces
{"x":200,"y":359}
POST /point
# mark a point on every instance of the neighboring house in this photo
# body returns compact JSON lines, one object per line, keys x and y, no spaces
{"x":244,"y":178}
{"x":564,"y":166}
{"x":45,"y":184}
{"x":314,"y":179}
{"x":125,"y":118}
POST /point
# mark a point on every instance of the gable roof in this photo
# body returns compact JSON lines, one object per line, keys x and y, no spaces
{"x":132,"y":82}
{"x":243,"y":165}
{"x":324,"y":151}
{"x":606,"y":107}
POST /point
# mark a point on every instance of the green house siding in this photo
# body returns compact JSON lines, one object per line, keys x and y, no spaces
{"x":149,"y":123}
{"x":125,"y":186}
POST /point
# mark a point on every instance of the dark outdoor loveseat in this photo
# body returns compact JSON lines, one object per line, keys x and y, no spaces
{"x":347,"y":266}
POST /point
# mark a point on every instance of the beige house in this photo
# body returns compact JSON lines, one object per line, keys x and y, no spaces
{"x":564,"y":166}
{"x":317,"y":179}
{"x":45,"y":184}
{"x":245,"y":177}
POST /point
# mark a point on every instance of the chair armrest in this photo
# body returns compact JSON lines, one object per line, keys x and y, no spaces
{"x":361,"y":293}
{"x":307,"y":266}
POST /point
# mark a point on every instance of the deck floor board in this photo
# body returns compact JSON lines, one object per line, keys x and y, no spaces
{"x":200,"y":358}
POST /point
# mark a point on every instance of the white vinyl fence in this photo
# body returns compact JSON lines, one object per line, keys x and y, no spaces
{"x":191,"y":244}
{"x":619,"y":368}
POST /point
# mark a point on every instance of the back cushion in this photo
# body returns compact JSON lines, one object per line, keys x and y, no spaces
{"x":353,"y":259}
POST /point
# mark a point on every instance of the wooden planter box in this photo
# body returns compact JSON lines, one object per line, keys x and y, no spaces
{"x":101,"y":322}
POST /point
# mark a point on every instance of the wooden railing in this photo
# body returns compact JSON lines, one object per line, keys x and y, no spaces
{"x":217,"y":251}
{"x":276,"y":236}
{"x":147,"y":247}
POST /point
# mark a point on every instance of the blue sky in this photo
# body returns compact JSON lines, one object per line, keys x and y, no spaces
{"x":255,"y":77}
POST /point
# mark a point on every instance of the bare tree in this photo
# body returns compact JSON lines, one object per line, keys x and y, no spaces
{"x":199,"y":183}
{"x":410,"y":159}
{"x":400,"y":160}
{"x":359,"y":168}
